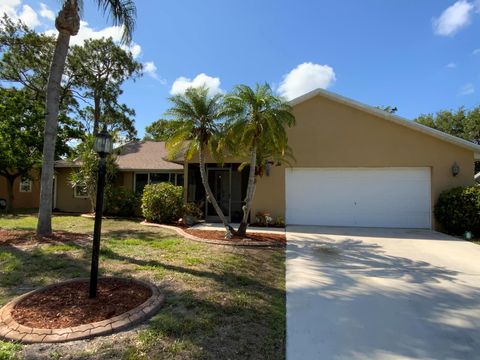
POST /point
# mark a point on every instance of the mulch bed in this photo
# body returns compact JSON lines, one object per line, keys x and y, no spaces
{"x":68,"y":305}
{"x":24,"y":237}
{"x":219,"y":235}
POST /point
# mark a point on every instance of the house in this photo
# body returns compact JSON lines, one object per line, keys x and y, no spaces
{"x":139,"y":163}
{"x":355,"y":166}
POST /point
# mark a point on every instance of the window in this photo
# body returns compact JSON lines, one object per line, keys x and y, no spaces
{"x":25,"y":185}
{"x":156,"y":178}
{"x":80,"y":191}
{"x":142,"y":179}
{"x":179,"y":180}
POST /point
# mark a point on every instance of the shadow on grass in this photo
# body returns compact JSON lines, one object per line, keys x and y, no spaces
{"x":24,"y":270}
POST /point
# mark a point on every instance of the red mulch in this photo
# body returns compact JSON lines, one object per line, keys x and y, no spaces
{"x":253,"y":236}
{"x":23,"y":237}
{"x":68,"y":305}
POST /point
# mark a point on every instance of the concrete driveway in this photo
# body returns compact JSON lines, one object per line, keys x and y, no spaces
{"x":357,"y":293}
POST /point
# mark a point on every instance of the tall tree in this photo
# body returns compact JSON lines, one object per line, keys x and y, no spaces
{"x":122,"y":12}
{"x":198,"y":116}
{"x":99,"y":68}
{"x":20,"y":137}
{"x":161,"y":130}
{"x":257,"y":121}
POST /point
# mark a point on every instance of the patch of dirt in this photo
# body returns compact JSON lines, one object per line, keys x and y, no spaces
{"x":24,"y":237}
{"x":252,"y":236}
{"x":68,"y":305}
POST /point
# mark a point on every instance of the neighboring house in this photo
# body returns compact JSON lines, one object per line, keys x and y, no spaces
{"x":26,"y":192}
{"x":355,"y":166}
{"x":139,"y":163}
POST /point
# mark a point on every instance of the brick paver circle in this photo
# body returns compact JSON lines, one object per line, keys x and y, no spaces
{"x":13,"y":331}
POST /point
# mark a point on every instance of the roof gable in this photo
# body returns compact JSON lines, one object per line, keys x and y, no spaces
{"x":389,"y":117}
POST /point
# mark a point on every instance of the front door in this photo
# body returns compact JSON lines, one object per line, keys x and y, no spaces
{"x":220,"y":183}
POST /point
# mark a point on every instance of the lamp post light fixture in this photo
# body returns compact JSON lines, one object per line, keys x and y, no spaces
{"x":103,"y":145}
{"x":455,"y":169}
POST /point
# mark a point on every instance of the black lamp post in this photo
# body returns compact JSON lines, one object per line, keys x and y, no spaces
{"x":103,"y":145}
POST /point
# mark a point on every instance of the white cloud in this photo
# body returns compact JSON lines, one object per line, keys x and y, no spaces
{"x":150,"y":69}
{"x":451,"y":65}
{"x":306,"y":77}
{"x":16,"y":12}
{"x":86,"y":32}
{"x":476,"y":52}
{"x":46,"y":12}
{"x":182,"y":83}
{"x":453,"y":18}
{"x":467,"y":89}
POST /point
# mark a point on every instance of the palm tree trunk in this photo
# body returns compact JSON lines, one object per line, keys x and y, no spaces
{"x":229,"y":230}
{"x":44,"y":225}
{"x":252,"y":184}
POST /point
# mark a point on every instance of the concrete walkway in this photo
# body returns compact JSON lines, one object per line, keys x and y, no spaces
{"x":356,"y":293}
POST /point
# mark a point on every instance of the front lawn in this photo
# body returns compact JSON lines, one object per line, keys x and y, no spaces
{"x":221,"y":302}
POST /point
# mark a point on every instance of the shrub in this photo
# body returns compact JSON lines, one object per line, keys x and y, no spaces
{"x":192,"y":209}
{"x":458,"y":210}
{"x":121,"y":202}
{"x":162,"y":203}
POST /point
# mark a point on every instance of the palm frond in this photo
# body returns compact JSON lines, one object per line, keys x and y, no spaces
{"x":122,"y":12}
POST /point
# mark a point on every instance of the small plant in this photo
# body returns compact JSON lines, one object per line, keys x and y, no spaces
{"x":162,"y":203}
{"x":192,"y":212}
{"x":264,"y":218}
{"x":121,"y":202}
{"x":279,"y":221}
{"x":458,"y":210}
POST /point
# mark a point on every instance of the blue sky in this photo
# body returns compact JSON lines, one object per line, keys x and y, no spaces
{"x":419,"y":56}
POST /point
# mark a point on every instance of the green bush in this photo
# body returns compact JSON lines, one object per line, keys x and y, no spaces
{"x":458,"y":210}
{"x":121,"y":202}
{"x":162,"y":203}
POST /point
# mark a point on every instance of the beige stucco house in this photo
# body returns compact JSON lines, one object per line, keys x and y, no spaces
{"x":355,"y":166}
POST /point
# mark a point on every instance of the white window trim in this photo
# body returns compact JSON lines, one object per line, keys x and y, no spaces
{"x":29,"y":186}
{"x":75,"y":195}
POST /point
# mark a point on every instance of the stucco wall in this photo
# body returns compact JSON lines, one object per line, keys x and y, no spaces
{"x":22,"y":200}
{"x":329,"y":134}
{"x":66,"y":201}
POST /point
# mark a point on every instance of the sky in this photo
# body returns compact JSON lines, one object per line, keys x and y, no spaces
{"x":419,"y":56}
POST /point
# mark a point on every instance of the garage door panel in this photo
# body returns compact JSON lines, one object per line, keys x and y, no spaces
{"x":385,"y":197}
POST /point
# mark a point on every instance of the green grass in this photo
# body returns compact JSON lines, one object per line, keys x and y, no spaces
{"x":220,"y":302}
{"x":8,"y":351}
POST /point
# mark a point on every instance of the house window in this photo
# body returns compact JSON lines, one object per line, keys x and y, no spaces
{"x":26,"y":185}
{"x":80,"y":191}
{"x":156,"y":178}
{"x":142,"y":179}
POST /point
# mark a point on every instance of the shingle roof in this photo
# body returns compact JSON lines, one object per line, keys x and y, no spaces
{"x":145,"y":155}
{"x":138,"y":155}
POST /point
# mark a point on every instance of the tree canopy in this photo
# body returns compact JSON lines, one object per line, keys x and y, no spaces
{"x":462,"y":123}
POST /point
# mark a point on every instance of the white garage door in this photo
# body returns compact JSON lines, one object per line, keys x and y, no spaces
{"x":371,"y":197}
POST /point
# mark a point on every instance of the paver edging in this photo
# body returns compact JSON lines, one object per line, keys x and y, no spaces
{"x":13,"y":331}
{"x":245,"y":243}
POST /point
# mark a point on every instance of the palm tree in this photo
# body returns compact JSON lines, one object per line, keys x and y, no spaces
{"x":198,"y":116}
{"x":256,"y":125}
{"x":123,"y":12}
